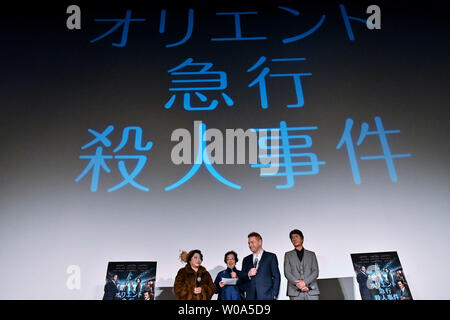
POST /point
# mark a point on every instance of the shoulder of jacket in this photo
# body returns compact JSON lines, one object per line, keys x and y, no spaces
{"x":186,"y":269}
{"x":273,"y":255}
{"x":202,"y":269}
{"x":181,"y":272}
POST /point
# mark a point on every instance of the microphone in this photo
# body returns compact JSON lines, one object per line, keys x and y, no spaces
{"x":255,"y":263}
{"x":232,"y":269}
{"x":197,"y":282}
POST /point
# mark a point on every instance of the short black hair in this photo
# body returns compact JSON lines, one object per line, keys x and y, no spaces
{"x":112,"y":277}
{"x":296,"y":231}
{"x":191,"y":254}
{"x":233,"y":253}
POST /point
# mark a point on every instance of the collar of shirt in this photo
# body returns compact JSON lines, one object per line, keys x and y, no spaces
{"x":259,"y":255}
{"x":300,"y":253}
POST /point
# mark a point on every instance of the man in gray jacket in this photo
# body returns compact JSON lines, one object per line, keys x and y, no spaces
{"x":301,"y":270}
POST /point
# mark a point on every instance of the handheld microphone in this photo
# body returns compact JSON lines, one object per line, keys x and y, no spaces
{"x":197,"y":282}
{"x":232,"y":269}
{"x":255,"y":263}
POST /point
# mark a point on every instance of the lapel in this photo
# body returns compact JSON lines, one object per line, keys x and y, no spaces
{"x":248,"y":261}
{"x":305,"y":257}
{"x":263,"y":259}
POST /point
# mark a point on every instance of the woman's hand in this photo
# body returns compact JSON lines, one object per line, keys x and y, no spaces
{"x":197,"y":290}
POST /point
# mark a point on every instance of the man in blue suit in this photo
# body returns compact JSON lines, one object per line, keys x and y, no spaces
{"x":263,"y":276}
{"x":362,"y":278}
{"x":111,"y":288}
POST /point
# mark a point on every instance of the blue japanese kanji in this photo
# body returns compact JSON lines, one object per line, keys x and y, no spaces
{"x":190,"y":27}
{"x":202,"y":158}
{"x":125,"y":22}
{"x":304,"y":34}
{"x":261,"y":81}
{"x":100,"y":137}
{"x":287,"y":157}
{"x":237,"y":25}
{"x":97,"y":161}
{"x":220,"y":78}
{"x":387,"y":156}
{"x":347,"y":19}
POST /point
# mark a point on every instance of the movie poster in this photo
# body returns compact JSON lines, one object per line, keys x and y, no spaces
{"x":130,"y":281}
{"x":380,"y":276}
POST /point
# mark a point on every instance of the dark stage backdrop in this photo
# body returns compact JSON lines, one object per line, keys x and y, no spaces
{"x":368,"y":164}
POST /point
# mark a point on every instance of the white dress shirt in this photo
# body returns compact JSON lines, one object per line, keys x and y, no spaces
{"x":259,"y":255}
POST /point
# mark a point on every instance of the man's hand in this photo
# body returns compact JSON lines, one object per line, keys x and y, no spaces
{"x":197,"y":290}
{"x":252,"y":272}
{"x":234,"y":275}
{"x":222,"y":284}
{"x":300,"y":284}
{"x":305,"y":289}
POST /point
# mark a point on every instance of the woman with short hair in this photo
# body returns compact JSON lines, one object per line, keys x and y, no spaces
{"x":229,"y":291}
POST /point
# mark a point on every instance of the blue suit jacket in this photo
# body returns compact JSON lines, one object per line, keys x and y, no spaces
{"x":110,"y":291}
{"x":362,"y":280}
{"x":266,"y":283}
{"x":227,"y":274}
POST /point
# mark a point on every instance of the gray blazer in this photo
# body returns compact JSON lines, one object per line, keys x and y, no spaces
{"x":307,"y":270}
